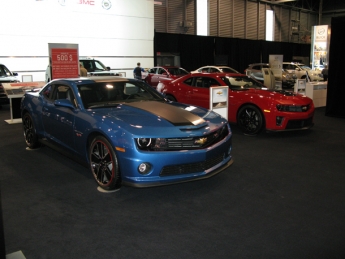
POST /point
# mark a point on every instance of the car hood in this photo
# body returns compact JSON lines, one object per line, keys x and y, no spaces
{"x":8,"y":79}
{"x":147,"y":114}
{"x":282,"y":96}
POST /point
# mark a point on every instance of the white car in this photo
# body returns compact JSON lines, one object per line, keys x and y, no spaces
{"x":215,"y":69}
{"x":6,"y":76}
{"x":301,"y":71}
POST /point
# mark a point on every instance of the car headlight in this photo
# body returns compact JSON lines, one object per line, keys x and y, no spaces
{"x":144,"y":143}
{"x":151,"y":143}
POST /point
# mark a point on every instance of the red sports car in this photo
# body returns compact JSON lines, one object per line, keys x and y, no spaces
{"x":251,"y":105}
{"x":157,"y":74}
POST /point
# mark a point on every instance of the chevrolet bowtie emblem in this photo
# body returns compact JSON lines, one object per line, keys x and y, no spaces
{"x":200,"y":141}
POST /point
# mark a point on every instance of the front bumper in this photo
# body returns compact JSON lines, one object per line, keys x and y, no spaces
{"x":172,"y":167}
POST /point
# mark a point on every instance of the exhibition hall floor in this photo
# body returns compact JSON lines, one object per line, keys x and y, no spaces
{"x":284,"y":197}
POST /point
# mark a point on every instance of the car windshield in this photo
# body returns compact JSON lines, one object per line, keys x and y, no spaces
{"x":241,"y":83}
{"x":4,"y":72}
{"x":177,"y":71}
{"x":305,"y":67}
{"x":101,"y":94}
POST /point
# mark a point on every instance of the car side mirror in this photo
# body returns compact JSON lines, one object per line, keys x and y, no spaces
{"x":108,"y":68}
{"x":15,"y":74}
{"x":64,"y":103}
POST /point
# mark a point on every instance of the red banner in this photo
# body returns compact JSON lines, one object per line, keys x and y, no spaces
{"x":65,"y":63}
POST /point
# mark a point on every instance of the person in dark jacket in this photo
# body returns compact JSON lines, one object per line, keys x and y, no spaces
{"x":137,"y":71}
{"x":325,"y":73}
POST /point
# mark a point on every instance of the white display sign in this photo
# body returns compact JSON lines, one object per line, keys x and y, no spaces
{"x":276,"y":65}
{"x":319,"y":46}
{"x":219,"y":99}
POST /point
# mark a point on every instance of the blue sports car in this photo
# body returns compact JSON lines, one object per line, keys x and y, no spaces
{"x":126,"y":132}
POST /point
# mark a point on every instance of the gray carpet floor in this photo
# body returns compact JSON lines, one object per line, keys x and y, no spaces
{"x":283,"y":197}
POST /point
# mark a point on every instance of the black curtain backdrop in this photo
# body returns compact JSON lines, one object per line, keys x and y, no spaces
{"x":336,"y":89}
{"x":196,"y":51}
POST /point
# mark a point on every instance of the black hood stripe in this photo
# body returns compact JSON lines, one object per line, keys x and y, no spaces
{"x":173,"y":114}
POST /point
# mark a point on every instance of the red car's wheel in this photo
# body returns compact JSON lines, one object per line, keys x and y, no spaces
{"x":103,"y":164}
{"x":30,"y":135}
{"x":250,"y":120}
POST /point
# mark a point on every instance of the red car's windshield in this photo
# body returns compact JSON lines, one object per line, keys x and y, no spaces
{"x":241,"y":82}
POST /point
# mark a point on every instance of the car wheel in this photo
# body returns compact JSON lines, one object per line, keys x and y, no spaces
{"x":31,"y":138}
{"x":250,"y":120}
{"x":170,"y":98}
{"x":103,"y":164}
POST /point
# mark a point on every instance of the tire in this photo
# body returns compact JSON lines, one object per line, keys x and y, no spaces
{"x":30,"y":136}
{"x":171,"y":98}
{"x":103,"y":164}
{"x":250,"y":120}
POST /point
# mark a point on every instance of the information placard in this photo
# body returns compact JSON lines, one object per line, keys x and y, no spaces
{"x":219,"y":100}
{"x":64,"y":60}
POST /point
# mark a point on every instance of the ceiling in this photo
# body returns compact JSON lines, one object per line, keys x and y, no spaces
{"x":323,"y":6}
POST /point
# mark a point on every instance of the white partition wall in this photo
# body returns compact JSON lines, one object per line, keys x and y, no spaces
{"x":117,"y":32}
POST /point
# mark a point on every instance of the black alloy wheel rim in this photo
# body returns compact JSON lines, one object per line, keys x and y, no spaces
{"x":250,"y":120}
{"x":29,"y":131}
{"x":102,"y":165}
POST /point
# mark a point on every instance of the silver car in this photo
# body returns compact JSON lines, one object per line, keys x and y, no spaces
{"x":255,"y":71}
{"x":301,"y":71}
{"x":215,"y":69}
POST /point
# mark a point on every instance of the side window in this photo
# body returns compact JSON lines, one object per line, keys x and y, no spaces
{"x":48,"y":92}
{"x":64,"y":92}
{"x":152,"y":71}
{"x":98,"y":66}
{"x":198,"y":82}
{"x":161,"y":71}
{"x":212,"y":82}
{"x":189,"y":81}
{"x":213,"y":70}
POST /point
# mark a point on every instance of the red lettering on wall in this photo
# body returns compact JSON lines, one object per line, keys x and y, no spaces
{"x":86,"y":2}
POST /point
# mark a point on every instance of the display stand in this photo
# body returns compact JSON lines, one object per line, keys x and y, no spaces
{"x":14,"y":95}
{"x":219,"y":100}
{"x":15,"y":92}
{"x":318,"y":92}
{"x":300,"y":86}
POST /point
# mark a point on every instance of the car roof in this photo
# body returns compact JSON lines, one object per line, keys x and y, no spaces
{"x":258,"y":64}
{"x":96,"y":79}
{"x":218,"y":74}
{"x":167,"y":67}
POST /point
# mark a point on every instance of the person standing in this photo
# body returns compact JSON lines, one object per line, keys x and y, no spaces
{"x":83,"y":71}
{"x":137,"y":71}
{"x":325,"y":73}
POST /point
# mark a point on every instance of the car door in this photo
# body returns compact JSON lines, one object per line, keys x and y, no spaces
{"x":58,"y":121}
{"x":150,"y":74}
{"x":199,"y":93}
{"x":161,"y":73}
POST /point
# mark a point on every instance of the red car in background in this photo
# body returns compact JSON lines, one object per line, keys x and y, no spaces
{"x":251,"y":105}
{"x":156,"y":74}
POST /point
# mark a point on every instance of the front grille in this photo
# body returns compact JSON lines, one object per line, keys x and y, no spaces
{"x":299,"y":124}
{"x":190,"y":143}
{"x":197,"y":142}
{"x":192,"y":167}
{"x":293,"y":108}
